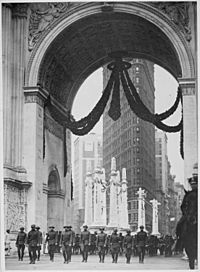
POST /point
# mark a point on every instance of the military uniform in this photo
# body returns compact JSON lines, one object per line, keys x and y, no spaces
{"x":33,"y":241}
{"x":85,"y":242}
{"x":141,"y":239}
{"x":40,"y":242}
{"x":101,"y":245}
{"x":52,"y":242}
{"x":115,"y":246}
{"x":20,"y":243}
{"x":128,"y":245}
{"x":66,"y":243}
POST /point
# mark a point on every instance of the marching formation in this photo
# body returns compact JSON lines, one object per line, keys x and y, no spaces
{"x":88,"y":243}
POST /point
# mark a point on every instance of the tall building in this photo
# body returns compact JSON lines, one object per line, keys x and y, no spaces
{"x":87,"y":156}
{"x":132,"y":141}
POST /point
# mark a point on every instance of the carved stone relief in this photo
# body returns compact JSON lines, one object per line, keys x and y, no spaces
{"x":41,"y":18}
{"x":178,"y":13}
{"x":15,"y":211}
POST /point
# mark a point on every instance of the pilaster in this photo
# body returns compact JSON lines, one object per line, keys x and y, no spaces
{"x":19,"y":17}
{"x":33,"y":149}
{"x":190,"y":122}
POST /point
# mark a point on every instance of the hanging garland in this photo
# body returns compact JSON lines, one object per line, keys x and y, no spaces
{"x":119,"y":74}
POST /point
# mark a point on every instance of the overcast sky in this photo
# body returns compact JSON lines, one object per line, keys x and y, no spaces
{"x":165,"y":95}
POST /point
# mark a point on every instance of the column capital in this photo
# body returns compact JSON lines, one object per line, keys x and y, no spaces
{"x":188,"y":86}
{"x":20,"y":10}
{"x":35,"y":95}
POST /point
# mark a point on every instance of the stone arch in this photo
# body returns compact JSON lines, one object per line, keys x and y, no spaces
{"x":55,"y":199}
{"x":142,"y":10}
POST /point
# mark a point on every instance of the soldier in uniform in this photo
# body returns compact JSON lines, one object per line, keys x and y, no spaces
{"x":85,"y":243}
{"x":115,"y":245}
{"x":141,"y":239}
{"x":52,"y":242}
{"x":20,"y":243}
{"x":128,"y":245}
{"x":40,"y":242}
{"x":33,"y":242}
{"x":101,"y":244}
{"x":73,"y":239}
{"x":66,"y":243}
{"x":121,"y":239}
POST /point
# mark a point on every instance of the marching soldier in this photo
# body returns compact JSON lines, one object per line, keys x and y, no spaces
{"x":101,"y":244}
{"x":85,"y":243}
{"x":73,"y":239}
{"x":115,"y":245}
{"x":20,"y":243}
{"x":141,"y":239}
{"x":66,"y":243}
{"x":33,"y":242}
{"x":52,"y":242}
{"x":128,"y":245}
{"x":40,"y":242}
{"x":121,"y":239}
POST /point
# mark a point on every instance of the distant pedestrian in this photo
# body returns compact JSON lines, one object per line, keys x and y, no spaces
{"x":33,"y":242}
{"x":20,"y":243}
{"x":7,"y":242}
{"x":66,"y":243}
{"x":73,"y":240}
{"x":85,"y":243}
{"x":40,"y":243}
{"x":141,"y":240}
{"x":128,"y":246}
{"x":114,"y":245}
{"x":101,"y":242}
{"x":52,"y":242}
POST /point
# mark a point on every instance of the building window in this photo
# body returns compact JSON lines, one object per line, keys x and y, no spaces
{"x":137,"y":80}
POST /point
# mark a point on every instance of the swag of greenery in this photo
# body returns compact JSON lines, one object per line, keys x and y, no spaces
{"x":119,"y":77}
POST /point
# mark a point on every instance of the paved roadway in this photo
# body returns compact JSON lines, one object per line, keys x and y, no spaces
{"x":150,"y":263}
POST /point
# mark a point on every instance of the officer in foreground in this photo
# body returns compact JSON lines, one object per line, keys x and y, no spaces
{"x":52,"y":242}
{"x":128,"y":245}
{"x":40,"y":242}
{"x":85,"y":243}
{"x":20,"y":243}
{"x":141,"y":239}
{"x":115,"y":245}
{"x":101,"y":244}
{"x":33,"y":243}
{"x":66,"y":243}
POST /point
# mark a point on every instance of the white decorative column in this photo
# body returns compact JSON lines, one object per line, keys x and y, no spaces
{"x":113,"y":197}
{"x":119,"y":199}
{"x":19,"y":16}
{"x":7,"y":81}
{"x":103,"y":198}
{"x":124,"y":205}
{"x":141,"y":208}
{"x":190,"y":122}
{"x":155,"y":204}
{"x":33,"y":150}
{"x":97,"y":197}
{"x":88,"y":199}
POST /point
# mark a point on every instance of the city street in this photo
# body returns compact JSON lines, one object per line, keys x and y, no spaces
{"x":150,"y":263}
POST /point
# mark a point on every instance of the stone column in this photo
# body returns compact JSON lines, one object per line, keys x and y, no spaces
{"x":88,"y":199}
{"x":103,"y":198}
{"x":113,"y":196}
{"x":97,"y":197}
{"x":119,"y":200}
{"x":33,"y":150}
{"x":190,"y":121}
{"x":155,"y":204}
{"x":19,"y":15}
{"x":141,"y":209}
{"x":7,"y":81}
{"x":124,"y":206}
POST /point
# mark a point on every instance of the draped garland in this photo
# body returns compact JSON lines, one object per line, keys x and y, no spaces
{"x":119,"y":74}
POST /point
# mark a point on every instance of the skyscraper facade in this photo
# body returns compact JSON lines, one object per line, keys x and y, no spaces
{"x":132,"y":141}
{"x":87,"y":156}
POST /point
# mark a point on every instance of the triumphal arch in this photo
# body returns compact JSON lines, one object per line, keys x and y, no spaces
{"x":49,"y":49}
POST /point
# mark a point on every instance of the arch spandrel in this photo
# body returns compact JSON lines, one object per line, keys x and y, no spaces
{"x":75,"y":47}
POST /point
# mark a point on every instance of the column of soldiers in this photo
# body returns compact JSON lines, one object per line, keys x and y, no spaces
{"x":86,"y":243}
